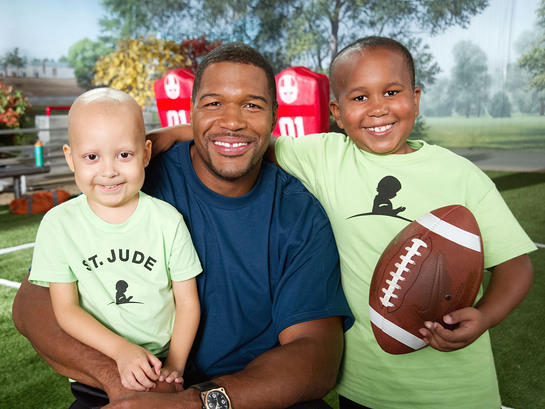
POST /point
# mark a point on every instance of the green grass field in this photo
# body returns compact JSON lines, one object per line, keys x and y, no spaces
{"x":521,"y":132}
{"x":26,"y":381}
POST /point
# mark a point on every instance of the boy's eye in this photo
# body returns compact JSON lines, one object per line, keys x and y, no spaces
{"x":91,"y":157}
{"x":391,"y":93}
{"x":125,"y":155}
{"x":360,"y":98}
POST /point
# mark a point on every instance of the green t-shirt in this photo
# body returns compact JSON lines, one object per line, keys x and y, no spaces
{"x":123,"y":271}
{"x":370,"y":198}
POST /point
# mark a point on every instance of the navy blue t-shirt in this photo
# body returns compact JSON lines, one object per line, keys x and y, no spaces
{"x":269,"y":260}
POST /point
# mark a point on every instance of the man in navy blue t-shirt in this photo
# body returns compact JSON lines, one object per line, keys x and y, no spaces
{"x":273,"y":310}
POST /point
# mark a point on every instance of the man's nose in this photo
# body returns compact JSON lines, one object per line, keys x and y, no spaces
{"x":232,"y":118}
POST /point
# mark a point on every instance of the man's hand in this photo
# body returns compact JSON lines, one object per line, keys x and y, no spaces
{"x":188,"y":399}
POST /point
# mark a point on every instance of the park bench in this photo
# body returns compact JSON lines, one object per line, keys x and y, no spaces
{"x":17,"y":171}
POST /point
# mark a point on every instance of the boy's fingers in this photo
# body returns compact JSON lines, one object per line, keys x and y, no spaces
{"x":156,"y":363}
{"x":144,"y":380}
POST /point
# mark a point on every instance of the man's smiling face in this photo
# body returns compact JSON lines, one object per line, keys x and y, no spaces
{"x":232,"y":118}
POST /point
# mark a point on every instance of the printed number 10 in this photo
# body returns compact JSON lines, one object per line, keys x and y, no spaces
{"x":291,"y":126}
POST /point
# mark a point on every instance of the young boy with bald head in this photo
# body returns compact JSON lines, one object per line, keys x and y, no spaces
{"x":120,"y":264}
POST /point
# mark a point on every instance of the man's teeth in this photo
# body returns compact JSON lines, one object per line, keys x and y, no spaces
{"x":381,"y":128}
{"x":231,"y":145}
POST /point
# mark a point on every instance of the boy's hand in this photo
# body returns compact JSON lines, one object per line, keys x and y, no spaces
{"x":138,"y":368}
{"x":471,"y":325}
{"x":170,"y":375}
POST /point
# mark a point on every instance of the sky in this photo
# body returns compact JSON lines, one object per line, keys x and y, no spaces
{"x":500,"y":24}
{"x":47,"y":29}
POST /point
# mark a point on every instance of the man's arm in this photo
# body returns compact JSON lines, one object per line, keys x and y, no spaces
{"x":34,"y":318}
{"x":162,"y":139}
{"x":304,"y":367}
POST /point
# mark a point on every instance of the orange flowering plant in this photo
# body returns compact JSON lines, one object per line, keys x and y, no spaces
{"x":14,"y":108}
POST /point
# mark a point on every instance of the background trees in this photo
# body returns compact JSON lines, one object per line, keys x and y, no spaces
{"x":533,"y":61}
{"x":470,"y":79}
{"x":140,"y":18}
{"x":137,"y":64}
{"x":83,"y":56}
{"x":294,"y":32}
{"x":13,"y":59}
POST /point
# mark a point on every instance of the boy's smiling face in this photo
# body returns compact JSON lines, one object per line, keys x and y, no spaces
{"x":108,"y":153}
{"x":376,"y":103}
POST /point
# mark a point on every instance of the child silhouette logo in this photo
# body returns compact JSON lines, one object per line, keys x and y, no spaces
{"x":387,"y":189}
{"x":120,"y":297}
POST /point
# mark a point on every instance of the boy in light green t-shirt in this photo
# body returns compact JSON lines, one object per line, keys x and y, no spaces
{"x":372,"y":184}
{"x":120,"y":264}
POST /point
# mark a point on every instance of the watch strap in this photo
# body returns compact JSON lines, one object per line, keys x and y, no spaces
{"x":205,"y":386}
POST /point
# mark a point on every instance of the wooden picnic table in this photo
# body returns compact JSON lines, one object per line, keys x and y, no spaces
{"x":16,"y":171}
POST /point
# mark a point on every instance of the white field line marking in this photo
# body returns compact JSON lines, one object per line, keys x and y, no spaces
{"x":8,"y":283}
{"x":539,"y":245}
{"x":16,"y":248}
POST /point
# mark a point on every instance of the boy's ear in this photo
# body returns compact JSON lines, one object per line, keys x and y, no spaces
{"x":68,"y":156}
{"x":336,"y":112}
{"x":147,"y":152}
{"x":417,"y":94}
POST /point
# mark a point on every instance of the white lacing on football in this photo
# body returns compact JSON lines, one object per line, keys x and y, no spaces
{"x":402,"y":268}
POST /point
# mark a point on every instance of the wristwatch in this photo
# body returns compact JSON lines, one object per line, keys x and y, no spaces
{"x":213,"y":396}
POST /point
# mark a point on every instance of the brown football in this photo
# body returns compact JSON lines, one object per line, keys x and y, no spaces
{"x":432,"y":267}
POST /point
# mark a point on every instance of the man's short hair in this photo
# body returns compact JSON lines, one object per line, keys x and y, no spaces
{"x":374,"y":42}
{"x":236,"y":53}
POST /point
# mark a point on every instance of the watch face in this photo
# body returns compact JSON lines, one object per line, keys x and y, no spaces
{"x":216,"y":400}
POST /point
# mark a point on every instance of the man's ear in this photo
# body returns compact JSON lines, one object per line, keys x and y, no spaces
{"x":68,"y":156}
{"x":336,"y":112}
{"x":274,"y":116}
